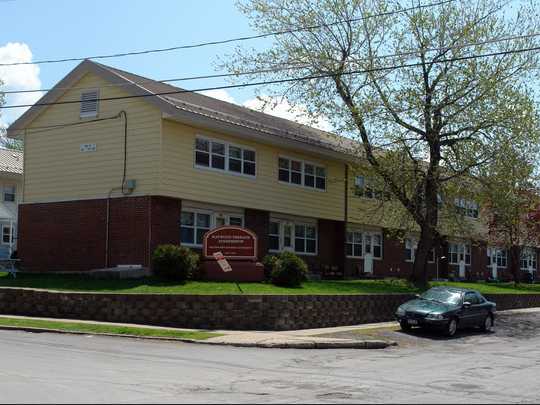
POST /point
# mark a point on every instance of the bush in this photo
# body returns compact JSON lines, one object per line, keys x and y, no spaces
{"x":269,"y":262}
{"x":288,"y":270}
{"x":173,"y":262}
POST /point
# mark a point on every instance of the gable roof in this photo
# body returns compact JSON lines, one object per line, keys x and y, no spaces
{"x":11,"y":161}
{"x":199,"y":110}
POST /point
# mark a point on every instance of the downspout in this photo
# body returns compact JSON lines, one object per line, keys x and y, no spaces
{"x":112,"y":190}
{"x":346,"y":218}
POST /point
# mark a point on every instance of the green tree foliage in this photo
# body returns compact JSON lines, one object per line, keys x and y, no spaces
{"x":408,"y":83}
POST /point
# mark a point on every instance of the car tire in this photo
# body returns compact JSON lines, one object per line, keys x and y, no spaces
{"x":488,"y":324}
{"x":451,"y":328}
{"x":405,"y":326}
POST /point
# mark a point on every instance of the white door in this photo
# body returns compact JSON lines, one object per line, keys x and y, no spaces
{"x":288,"y":236}
{"x":462,"y":269}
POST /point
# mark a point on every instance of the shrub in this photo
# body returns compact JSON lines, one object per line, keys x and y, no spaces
{"x":269,"y":262}
{"x":174,"y":262}
{"x":288,"y":270}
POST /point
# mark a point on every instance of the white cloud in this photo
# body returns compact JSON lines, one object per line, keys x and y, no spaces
{"x":19,"y":77}
{"x":275,"y":106}
{"x":220,"y":94}
{"x":282,"y":108}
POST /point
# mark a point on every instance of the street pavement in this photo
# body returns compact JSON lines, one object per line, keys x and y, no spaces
{"x":472,"y":368}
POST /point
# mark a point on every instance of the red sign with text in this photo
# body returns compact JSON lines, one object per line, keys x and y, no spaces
{"x":232,"y":241}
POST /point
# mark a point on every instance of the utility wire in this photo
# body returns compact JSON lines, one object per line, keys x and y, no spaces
{"x":279,"y":81}
{"x":278,"y":68}
{"x":226,"y":41}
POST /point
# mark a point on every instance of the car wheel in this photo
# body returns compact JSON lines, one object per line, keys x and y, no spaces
{"x":405,"y":326}
{"x":451,"y":328}
{"x":487,"y":326}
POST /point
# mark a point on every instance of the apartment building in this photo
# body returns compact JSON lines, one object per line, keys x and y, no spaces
{"x":116,"y":164}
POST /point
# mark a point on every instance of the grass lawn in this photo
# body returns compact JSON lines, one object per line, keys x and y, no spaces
{"x":155,"y":286}
{"x":111,"y":329}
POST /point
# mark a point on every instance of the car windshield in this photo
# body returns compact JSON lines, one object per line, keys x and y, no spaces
{"x":444,"y":296}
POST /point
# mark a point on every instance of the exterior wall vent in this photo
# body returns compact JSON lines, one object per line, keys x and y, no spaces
{"x":89,"y":103}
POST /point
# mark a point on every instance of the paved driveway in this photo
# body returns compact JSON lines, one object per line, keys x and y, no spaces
{"x":472,"y":368}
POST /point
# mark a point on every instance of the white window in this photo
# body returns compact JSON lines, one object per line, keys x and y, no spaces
{"x":528,"y":259}
{"x":301,"y":173}
{"x":355,"y":244}
{"x":89,"y":103}
{"x":363,"y":188}
{"x":411,"y":246}
{"x":497,"y":255}
{"x":297,"y":237}
{"x":458,"y":252}
{"x":193,"y":227}
{"x":6,"y":235}
{"x":228,"y":220}
{"x":361,"y":243}
{"x":467,"y":208}
{"x":195,"y":223}
{"x":9,"y":193}
{"x":224,"y":156}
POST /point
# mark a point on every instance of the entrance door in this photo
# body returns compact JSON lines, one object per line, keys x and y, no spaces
{"x":288,"y":236}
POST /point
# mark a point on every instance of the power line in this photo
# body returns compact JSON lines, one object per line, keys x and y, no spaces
{"x":278,"y":81}
{"x":226,"y":41}
{"x":272,"y":70}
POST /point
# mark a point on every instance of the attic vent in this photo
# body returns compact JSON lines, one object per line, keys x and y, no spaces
{"x":89,"y":103}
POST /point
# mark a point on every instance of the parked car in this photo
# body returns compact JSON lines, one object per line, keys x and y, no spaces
{"x":447,"y":309}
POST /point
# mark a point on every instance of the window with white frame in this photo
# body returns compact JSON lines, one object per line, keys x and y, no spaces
{"x":9,"y":193}
{"x":89,"y":103}
{"x":195,"y":223}
{"x":6,"y":234}
{"x":458,"y":252}
{"x":411,"y":246}
{"x":364,"y":188}
{"x":467,"y":208}
{"x":497,"y":255}
{"x":298,"y":237}
{"x":301,"y":173}
{"x":220,"y":155}
{"x":528,"y":259}
{"x":355,"y":244}
{"x":193,"y":226}
{"x":359,"y":243}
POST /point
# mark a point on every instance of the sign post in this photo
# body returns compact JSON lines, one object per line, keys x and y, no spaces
{"x":230,"y":254}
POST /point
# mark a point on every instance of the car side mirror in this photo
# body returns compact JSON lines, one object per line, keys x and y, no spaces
{"x":467,"y":304}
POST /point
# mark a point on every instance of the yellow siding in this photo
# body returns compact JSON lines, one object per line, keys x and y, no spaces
{"x":181,"y":179}
{"x":56,"y":170}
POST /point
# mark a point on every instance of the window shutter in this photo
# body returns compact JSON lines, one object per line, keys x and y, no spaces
{"x":89,"y":103}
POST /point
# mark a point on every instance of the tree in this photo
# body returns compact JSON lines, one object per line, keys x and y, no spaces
{"x":510,"y":195}
{"x":4,"y":140}
{"x":436,"y":87}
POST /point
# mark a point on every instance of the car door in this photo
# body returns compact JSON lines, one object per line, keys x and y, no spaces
{"x":473,"y":315}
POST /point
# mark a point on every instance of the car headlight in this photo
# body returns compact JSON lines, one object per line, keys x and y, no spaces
{"x":400,"y":312}
{"x":436,"y":317}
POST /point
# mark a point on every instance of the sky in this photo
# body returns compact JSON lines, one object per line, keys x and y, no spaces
{"x":36,"y":30}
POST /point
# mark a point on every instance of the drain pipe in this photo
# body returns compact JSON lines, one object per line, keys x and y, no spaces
{"x":122,"y":188}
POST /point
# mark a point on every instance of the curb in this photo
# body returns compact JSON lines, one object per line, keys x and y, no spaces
{"x":361,"y":344}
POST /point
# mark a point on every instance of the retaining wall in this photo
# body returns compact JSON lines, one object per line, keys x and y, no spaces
{"x":234,"y":312}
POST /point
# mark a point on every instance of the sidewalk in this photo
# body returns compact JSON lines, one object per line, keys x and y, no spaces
{"x":300,"y":339}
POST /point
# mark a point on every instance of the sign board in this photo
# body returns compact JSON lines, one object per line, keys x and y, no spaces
{"x":88,"y":147}
{"x":223,"y":263}
{"x":233,"y":242}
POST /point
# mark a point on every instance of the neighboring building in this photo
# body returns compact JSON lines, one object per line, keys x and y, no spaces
{"x":11,"y":180}
{"x":197,"y":163}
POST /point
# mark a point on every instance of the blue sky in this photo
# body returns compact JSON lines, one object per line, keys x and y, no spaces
{"x":72,"y":28}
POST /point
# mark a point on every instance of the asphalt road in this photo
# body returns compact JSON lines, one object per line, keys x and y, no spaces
{"x":472,"y":368}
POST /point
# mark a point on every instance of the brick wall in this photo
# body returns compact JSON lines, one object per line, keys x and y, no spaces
{"x":241,"y":312}
{"x":70,"y":236}
{"x":259,"y":222}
